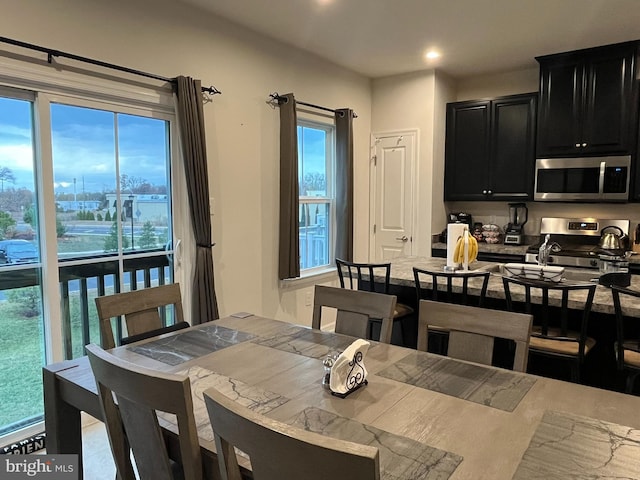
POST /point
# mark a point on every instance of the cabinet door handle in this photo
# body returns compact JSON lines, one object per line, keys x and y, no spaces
{"x":489,"y":192}
{"x":584,"y":145}
{"x":484,"y":192}
{"x":577,"y":145}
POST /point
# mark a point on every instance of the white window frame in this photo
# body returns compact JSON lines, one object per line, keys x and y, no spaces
{"x":93,"y":91}
{"x":43,"y":84}
{"x":330,"y":199}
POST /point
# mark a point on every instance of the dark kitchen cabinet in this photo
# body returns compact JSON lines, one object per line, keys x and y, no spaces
{"x":490,"y":149}
{"x":588,"y":102}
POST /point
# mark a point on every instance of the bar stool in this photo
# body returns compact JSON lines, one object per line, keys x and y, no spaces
{"x":627,"y":346}
{"x":357,"y":273}
{"x":555,"y":339}
{"x":456,"y":286}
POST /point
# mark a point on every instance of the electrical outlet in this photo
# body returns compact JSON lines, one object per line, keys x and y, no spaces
{"x":307,"y":299}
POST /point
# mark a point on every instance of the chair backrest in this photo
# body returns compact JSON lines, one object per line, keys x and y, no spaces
{"x":472,"y":331}
{"x":352,"y":275}
{"x":133,"y":422}
{"x":279,"y":451}
{"x":458,"y":280}
{"x":545,"y":310}
{"x":140,"y":309}
{"x":355,"y":308}
{"x":623,"y":340}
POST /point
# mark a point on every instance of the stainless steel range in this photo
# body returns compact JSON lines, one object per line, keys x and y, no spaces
{"x":577,"y":238}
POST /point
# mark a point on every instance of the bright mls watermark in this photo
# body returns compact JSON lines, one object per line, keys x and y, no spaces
{"x":51,"y":467}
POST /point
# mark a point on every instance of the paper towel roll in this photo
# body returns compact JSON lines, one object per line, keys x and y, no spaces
{"x":454,"y":232}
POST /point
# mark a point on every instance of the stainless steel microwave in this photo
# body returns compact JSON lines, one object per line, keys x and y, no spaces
{"x":588,"y":179}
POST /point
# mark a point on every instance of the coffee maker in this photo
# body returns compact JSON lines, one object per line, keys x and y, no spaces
{"x":518,"y":215}
{"x":460,"y":217}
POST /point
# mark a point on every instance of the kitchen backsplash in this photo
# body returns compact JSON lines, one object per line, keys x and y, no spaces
{"x":498,"y":212}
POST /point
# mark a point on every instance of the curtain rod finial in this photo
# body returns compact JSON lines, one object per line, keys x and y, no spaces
{"x":211,"y":90}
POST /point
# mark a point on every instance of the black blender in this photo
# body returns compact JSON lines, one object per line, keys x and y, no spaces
{"x":518,"y":215}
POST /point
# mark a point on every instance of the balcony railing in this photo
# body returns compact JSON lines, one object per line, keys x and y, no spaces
{"x":80,"y":283}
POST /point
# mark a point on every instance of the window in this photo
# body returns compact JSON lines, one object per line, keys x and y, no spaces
{"x":86,"y":202}
{"x":316,"y":154}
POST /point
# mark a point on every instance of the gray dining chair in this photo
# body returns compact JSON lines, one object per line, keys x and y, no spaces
{"x":473,"y":330}
{"x":355,"y":309}
{"x":142,"y":311}
{"x":132,"y":423}
{"x":279,"y":451}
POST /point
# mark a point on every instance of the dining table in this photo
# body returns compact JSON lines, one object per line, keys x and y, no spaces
{"x":430,"y":416}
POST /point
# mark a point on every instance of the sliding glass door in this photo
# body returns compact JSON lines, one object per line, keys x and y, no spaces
{"x":22,"y":351}
{"x":85,"y":210}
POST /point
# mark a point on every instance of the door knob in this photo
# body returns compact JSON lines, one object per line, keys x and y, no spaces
{"x":404,"y":238}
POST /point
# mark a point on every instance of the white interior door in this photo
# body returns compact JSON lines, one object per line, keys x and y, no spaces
{"x":393,"y":194}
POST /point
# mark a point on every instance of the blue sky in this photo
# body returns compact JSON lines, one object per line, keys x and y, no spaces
{"x":313,"y":151}
{"x":84,"y":147}
{"x":83,"y":142}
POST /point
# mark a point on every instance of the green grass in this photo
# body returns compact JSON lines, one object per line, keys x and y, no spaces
{"x":22,"y":344}
{"x":80,"y":243}
{"x":22,"y":356}
{"x":21,"y":360}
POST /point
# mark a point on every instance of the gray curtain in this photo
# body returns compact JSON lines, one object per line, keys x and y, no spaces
{"x":344,"y":184}
{"x":192,"y":133}
{"x":289,"y":252}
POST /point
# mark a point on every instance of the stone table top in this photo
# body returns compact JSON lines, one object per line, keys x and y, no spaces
{"x":444,"y":423}
{"x":402,"y":274}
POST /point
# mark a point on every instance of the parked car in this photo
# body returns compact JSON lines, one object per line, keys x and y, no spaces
{"x":17,"y":251}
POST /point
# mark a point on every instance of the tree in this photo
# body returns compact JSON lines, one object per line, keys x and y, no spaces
{"x":6,"y":223}
{"x":313,"y":182}
{"x":61,"y":229}
{"x":130,"y":183}
{"x":107,"y":216}
{"x":30,"y":217}
{"x":26,"y":300}
{"x":6,"y":175}
{"x":111,"y":242}
{"x":148,"y":236}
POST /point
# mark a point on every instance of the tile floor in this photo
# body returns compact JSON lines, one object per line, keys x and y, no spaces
{"x":98,"y":463}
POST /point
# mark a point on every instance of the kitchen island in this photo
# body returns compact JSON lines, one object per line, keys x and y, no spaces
{"x":402,"y":276}
{"x":600,"y":365}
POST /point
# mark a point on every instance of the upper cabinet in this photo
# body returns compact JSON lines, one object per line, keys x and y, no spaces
{"x":588,"y":102}
{"x":490,"y":149}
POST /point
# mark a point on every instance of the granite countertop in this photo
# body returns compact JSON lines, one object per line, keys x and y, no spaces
{"x":402,"y":274}
{"x":491,"y":248}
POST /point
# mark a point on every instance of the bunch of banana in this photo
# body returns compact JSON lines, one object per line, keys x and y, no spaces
{"x":458,"y":253}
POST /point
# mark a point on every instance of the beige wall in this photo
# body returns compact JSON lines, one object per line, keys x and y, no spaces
{"x":416,"y":101}
{"x":495,"y":85}
{"x":170,"y":39}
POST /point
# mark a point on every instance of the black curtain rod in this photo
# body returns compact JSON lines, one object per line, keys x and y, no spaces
{"x":280,"y":98}
{"x":57,"y":53}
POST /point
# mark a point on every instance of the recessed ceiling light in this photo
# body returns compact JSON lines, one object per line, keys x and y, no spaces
{"x":432,"y":54}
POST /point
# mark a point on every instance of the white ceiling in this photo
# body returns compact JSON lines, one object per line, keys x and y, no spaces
{"x":386,"y":37}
